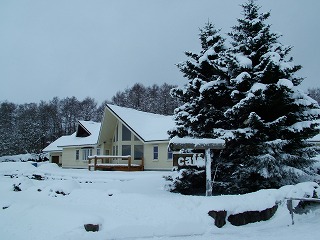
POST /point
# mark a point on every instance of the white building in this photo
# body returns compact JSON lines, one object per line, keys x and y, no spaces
{"x":123,"y":132}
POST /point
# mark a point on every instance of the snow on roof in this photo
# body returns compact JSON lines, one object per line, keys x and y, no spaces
{"x":53,"y":147}
{"x":92,"y":127}
{"x":92,"y":139}
{"x":72,"y":140}
{"x":149,"y":126}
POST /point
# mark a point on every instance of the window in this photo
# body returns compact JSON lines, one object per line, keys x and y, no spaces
{"x":135,"y":138}
{"x":155,"y":152}
{"x":77,"y":154}
{"x":114,"y":150}
{"x":169,"y":155}
{"x":126,"y":134}
{"x":86,"y":152}
{"x":115,"y":137}
{"x":98,"y":151}
{"x":138,"y":152}
{"x":126,"y":150}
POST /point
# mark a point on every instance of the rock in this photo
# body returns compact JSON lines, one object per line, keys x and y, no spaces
{"x":219,"y":217}
{"x":91,"y":227}
{"x":37,"y":177}
{"x":252,"y":216}
{"x":16,"y":187}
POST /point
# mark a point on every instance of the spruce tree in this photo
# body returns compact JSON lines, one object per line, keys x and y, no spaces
{"x":271,"y":118}
{"x":205,"y":71}
{"x":249,"y":95}
{"x":205,"y":98}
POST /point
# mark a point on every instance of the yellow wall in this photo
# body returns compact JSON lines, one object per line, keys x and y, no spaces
{"x":162,"y":163}
{"x":69,"y":158}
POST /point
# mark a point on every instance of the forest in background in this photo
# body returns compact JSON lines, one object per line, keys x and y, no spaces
{"x":29,"y":127}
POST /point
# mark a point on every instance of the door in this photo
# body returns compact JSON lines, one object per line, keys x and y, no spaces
{"x":55,"y":159}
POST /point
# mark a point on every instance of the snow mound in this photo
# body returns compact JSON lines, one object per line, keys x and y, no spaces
{"x":22,"y":184}
{"x":49,"y":166}
{"x":63,"y":187}
{"x":6,"y":167}
{"x":18,"y":158}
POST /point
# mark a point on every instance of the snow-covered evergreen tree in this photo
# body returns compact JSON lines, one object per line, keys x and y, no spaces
{"x":271,"y":118}
{"x":249,"y":95}
{"x":201,"y":107}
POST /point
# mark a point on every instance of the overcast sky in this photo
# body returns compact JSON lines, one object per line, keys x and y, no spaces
{"x":95,"y":48}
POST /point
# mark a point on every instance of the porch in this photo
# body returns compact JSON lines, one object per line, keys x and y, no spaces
{"x":114,"y":163}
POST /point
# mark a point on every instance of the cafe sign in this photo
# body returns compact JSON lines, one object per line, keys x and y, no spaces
{"x":183,"y":160}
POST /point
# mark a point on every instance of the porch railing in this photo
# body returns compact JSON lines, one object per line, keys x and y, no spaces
{"x":113,"y":162}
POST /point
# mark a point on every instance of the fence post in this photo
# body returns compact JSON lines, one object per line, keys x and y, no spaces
{"x":142,"y":163}
{"x":129,"y":163}
{"x":95,"y":163}
{"x":89,"y":164}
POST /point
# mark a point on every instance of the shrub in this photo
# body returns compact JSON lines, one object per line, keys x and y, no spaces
{"x":188,"y":182}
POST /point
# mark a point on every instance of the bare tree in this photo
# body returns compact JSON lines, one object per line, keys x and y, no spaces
{"x":314,"y":93}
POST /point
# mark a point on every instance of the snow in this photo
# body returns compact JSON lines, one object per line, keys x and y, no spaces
{"x":92,"y":127}
{"x":205,"y":56}
{"x":212,"y":84}
{"x":92,"y":139}
{"x":273,"y":57}
{"x":243,"y":61}
{"x":316,"y":138}
{"x":241,"y":77}
{"x":197,"y":141}
{"x":56,"y":145}
{"x":258,"y":87}
{"x":134,"y":205}
{"x":286,"y":83}
{"x":300,"y":126}
{"x":19,"y":158}
{"x":149,"y":126}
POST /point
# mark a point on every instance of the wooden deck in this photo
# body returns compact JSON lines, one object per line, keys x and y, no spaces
{"x":113,"y":163}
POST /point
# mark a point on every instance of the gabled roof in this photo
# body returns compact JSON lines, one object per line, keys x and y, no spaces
{"x":87,"y":134}
{"x":148,"y":127}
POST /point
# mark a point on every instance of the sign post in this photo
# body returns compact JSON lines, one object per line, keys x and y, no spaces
{"x":205,"y":144}
{"x":208,"y":172}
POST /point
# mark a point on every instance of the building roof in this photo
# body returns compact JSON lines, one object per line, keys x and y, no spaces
{"x":53,"y":147}
{"x":89,"y":136}
{"x":148,"y":126}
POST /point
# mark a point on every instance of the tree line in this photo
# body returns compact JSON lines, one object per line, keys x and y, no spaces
{"x":29,"y":127}
{"x":154,"y":99}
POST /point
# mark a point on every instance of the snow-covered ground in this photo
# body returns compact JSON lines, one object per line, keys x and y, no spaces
{"x":133,"y":205}
{"x":23,"y":157}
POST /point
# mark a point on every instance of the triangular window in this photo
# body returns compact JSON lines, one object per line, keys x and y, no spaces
{"x":82,"y":132}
